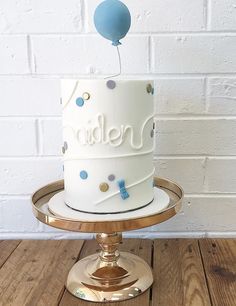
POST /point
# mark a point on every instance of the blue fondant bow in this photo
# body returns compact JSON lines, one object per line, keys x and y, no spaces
{"x":123,"y":192}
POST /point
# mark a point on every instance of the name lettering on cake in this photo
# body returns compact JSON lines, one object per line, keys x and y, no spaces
{"x":97,"y":131}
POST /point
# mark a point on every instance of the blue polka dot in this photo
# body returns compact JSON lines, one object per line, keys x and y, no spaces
{"x":83,"y":174}
{"x":80,"y":102}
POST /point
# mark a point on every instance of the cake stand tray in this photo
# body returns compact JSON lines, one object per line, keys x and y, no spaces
{"x":112,"y":275}
{"x":42,"y":196}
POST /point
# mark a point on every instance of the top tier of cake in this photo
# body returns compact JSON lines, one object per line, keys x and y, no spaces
{"x":108,"y":144}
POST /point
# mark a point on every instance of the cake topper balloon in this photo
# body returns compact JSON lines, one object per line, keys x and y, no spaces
{"x":112,"y":20}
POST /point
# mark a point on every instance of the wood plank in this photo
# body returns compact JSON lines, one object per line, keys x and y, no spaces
{"x":179,"y":274}
{"x":142,"y":248}
{"x":7,"y":247}
{"x":36,"y":272}
{"x":219,"y":259}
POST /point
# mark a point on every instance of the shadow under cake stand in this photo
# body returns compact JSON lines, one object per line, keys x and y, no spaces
{"x":111,"y":275}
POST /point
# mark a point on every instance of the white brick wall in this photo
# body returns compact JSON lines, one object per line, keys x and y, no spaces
{"x":175,"y":169}
{"x":221,"y":96}
{"x":29,"y":97}
{"x":188,"y":53}
{"x":180,"y":96}
{"x":193,"y":136}
{"x":22,"y":176}
{"x":159,"y":15}
{"x":187,"y":46}
{"x":17,"y":137}
{"x":223,"y":15}
{"x":75,"y":54}
{"x":14,"y":55}
{"x":40,"y":16}
{"x":51,"y":136}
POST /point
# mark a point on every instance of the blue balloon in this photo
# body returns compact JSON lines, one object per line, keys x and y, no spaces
{"x":112,"y":20}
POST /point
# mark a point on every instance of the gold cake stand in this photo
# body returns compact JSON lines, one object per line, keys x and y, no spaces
{"x":111,"y":275}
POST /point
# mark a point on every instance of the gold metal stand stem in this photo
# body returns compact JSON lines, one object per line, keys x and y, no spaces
{"x":109,"y":247}
{"x":111,"y":275}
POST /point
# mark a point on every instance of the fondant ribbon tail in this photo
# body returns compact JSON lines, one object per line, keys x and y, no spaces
{"x":123,"y":192}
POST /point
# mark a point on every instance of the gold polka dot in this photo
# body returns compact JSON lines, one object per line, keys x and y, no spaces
{"x":103,"y":187}
{"x":86,"y":96}
{"x":149,"y":88}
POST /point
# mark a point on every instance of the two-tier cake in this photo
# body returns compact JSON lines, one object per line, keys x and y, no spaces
{"x":108,"y":134}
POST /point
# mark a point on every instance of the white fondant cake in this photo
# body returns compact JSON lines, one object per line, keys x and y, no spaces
{"x":108,"y":133}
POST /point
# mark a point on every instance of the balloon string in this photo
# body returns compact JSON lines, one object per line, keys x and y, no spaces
{"x":115,"y":75}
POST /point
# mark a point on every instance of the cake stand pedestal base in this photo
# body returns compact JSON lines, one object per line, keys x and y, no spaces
{"x":110,"y":275}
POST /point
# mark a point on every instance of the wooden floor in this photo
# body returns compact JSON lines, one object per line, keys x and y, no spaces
{"x":186,"y":272}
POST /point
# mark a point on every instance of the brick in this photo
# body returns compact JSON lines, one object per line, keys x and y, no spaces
{"x":158,"y":15}
{"x":24,"y":176}
{"x":203,"y":214}
{"x":179,"y":96}
{"x":51,"y":136}
{"x":189,"y":173}
{"x":194,"y":54}
{"x":221,"y":96}
{"x":14,"y":57}
{"x":17,"y":137}
{"x":220,"y":175}
{"x":76,"y":55}
{"x":223,"y":15}
{"x":198,"y":136}
{"x":17,"y":216}
{"x":40,"y":16}
{"x":30,"y":97}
